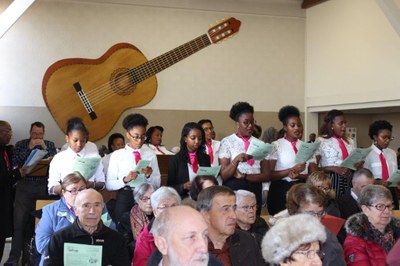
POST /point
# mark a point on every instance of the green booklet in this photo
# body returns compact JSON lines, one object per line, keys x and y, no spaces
{"x":306,"y":151}
{"x":86,"y":166}
{"x":213,"y":171}
{"x":82,"y":255}
{"x":140,"y":177}
{"x":258,"y":149}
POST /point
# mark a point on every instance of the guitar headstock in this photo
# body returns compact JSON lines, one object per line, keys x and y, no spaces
{"x":224,"y":29}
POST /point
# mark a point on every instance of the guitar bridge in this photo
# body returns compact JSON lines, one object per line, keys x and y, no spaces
{"x":85,"y":101}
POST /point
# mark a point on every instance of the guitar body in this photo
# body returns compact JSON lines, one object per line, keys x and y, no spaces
{"x":107,"y":87}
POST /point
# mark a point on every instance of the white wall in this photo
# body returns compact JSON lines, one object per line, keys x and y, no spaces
{"x":263,"y":64}
{"x":352,"y":57}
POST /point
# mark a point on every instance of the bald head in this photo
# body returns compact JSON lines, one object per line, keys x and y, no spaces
{"x":180,"y":234}
{"x":86,"y":194}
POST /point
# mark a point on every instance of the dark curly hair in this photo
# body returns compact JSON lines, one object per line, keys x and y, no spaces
{"x":326,"y":128}
{"x":185,"y":132}
{"x":240,"y":108}
{"x":76,"y":123}
{"x":134,"y":120}
{"x":150,"y":132}
{"x":378,"y":125}
{"x":287,"y":112}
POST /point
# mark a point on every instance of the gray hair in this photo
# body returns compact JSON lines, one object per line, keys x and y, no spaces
{"x":163,"y":193}
{"x":372,"y":193}
{"x":363,"y":172}
{"x":289,"y":234}
{"x":207,"y":195}
{"x":240,"y":194}
{"x":140,"y":190}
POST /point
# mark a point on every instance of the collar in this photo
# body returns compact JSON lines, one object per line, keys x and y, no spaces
{"x":377,"y":150}
{"x":130,"y":149}
{"x":353,"y":195}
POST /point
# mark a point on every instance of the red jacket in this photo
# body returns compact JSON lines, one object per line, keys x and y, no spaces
{"x":361,"y":252}
{"x":144,"y":246}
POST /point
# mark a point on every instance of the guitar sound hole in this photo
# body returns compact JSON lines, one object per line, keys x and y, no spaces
{"x":121,"y":82}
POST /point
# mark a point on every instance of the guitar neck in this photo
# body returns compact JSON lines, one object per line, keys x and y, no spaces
{"x":166,"y":60}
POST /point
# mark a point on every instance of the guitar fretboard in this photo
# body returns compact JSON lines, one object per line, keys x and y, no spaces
{"x":166,"y":60}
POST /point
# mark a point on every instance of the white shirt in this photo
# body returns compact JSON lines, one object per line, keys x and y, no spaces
{"x":106,"y":161}
{"x":215,"y":144}
{"x":331,"y":154}
{"x":284,"y":156}
{"x":373,"y":162}
{"x":122,"y":161}
{"x":231,"y":146}
{"x":62,"y":163}
{"x":161,"y":147}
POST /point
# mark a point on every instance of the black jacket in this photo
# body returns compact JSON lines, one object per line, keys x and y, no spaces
{"x":178,"y":172}
{"x":348,"y":205}
{"x":114,"y":245}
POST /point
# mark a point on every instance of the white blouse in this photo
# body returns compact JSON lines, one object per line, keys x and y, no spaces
{"x":122,"y":161}
{"x":284,"y":156}
{"x":373,"y":162}
{"x":215,"y":144}
{"x":330,"y":152}
{"x":162,"y":148}
{"x":62,"y":164}
{"x":232,"y":146}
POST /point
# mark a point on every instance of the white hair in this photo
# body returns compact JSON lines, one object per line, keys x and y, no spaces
{"x":240,"y":194}
{"x":163,"y":193}
{"x":289,"y":234}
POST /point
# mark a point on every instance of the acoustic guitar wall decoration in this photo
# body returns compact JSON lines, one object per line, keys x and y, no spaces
{"x":99,"y":90}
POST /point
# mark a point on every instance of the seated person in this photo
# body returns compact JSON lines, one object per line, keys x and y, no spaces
{"x":348,"y":203}
{"x":88,"y":230}
{"x":198,"y":184}
{"x":303,"y":198}
{"x":231,"y":246}
{"x":322,"y":181}
{"x":141,"y":213}
{"x":296,"y":241}
{"x":372,"y":233}
{"x":60,"y":214}
{"x":180,"y":235}
{"x":161,"y":199}
{"x":246,"y":218}
{"x":154,"y":139}
{"x":116,"y":141}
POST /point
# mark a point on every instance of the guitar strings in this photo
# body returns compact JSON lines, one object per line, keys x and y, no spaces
{"x":104,"y":91}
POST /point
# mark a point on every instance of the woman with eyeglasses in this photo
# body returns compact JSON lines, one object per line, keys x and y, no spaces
{"x":322,"y":181}
{"x":59,"y":214}
{"x":122,"y":175}
{"x":305,"y":198}
{"x":295,"y":241}
{"x":183,"y":166}
{"x":382,"y":160}
{"x":141,"y":213}
{"x":238,"y":169}
{"x":372,"y":233}
{"x":246,"y":215}
{"x":63,"y":163}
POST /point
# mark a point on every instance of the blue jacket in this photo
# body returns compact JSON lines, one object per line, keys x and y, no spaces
{"x":56,"y":216}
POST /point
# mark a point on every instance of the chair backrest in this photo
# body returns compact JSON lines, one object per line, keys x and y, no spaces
{"x":163,"y":162}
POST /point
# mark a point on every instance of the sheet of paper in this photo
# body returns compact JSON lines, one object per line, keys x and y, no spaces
{"x":258,"y":149}
{"x":395,"y":179}
{"x":356,"y":156}
{"x":213,"y":171}
{"x":33,"y":159}
{"x":82,"y":255}
{"x":306,"y":151}
{"x":86,"y":166}
{"x":141,"y":164}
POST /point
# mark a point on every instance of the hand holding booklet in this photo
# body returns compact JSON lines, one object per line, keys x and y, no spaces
{"x":395,"y":179}
{"x":86,"y":166}
{"x":357,"y":155}
{"x":33,"y":159}
{"x":140,"y":177}
{"x":306,"y":151}
{"x":213,"y":171}
{"x":258,"y":149}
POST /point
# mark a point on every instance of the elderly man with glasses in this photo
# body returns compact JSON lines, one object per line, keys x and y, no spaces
{"x":246,"y":217}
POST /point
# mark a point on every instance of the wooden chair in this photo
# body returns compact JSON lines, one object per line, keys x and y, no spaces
{"x":163,"y":161}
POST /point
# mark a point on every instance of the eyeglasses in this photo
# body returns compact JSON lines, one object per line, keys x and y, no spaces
{"x":310,"y":254}
{"x":316,"y":214}
{"x":326,"y":189}
{"x":387,"y":138}
{"x":248,"y":208}
{"x":75,"y":191}
{"x":137,"y":137}
{"x":165,"y":206}
{"x":382,"y":207}
{"x":144,"y":198}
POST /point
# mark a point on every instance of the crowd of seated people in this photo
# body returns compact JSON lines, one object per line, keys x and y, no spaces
{"x":224,"y":211}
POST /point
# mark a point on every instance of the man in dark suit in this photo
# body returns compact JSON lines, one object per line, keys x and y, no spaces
{"x":348,"y":203}
{"x":8,"y":176}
